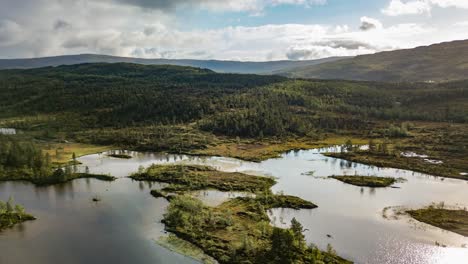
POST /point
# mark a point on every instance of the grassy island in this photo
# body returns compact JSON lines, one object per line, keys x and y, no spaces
{"x":366,"y":181}
{"x":11,"y":215}
{"x":238,"y":230}
{"x":193,"y":177}
{"x":451,"y":220}
{"x":120,"y":156}
{"x":57,"y":177}
{"x":392,"y":161}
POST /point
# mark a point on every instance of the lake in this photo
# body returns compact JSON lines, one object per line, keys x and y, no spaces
{"x":122,"y":227}
{"x":7,"y":131}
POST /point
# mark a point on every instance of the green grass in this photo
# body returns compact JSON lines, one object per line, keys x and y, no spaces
{"x":11,"y":214}
{"x":440,"y":62}
{"x":62,"y":153}
{"x":51,"y":179}
{"x":8,"y":220}
{"x":367,"y":181}
{"x":192,"y":177}
{"x":173,"y":243}
{"x":237,"y":231}
{"x":220,"y":231}
{"x":451,"y":220}
{"x":413,"y":164}
{"x":260,"y":150}
{"x":439,"y":141}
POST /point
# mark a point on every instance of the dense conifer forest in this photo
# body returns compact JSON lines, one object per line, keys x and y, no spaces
{"x":172,"y":108}
{"x":119,"y":95}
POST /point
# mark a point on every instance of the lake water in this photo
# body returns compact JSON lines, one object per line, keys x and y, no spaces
{"x":7,"y":131}
{"x":122,"y":227}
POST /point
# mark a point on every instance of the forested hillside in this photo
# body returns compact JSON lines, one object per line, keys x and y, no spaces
{"x":191,"y":110}
{"x":436,"y":63}
{"x":118,"y":95}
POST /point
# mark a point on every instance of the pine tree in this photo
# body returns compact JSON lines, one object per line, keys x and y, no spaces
{"x":9,"y":205}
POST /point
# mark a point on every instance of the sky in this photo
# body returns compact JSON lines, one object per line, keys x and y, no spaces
{"x":246,"y":30}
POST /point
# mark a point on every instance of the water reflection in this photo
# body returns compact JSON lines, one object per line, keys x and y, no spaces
{"x":344,"y":210}
{"x":215,"y":198}
{"x":73,"y":229}
{"x":348,"y":217}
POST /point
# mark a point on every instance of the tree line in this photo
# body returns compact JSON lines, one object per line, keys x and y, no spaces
{"x":115,"y":96}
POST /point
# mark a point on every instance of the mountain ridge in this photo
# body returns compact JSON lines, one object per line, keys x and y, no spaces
{"x":441,"y":62}
{"x":221,"y":66}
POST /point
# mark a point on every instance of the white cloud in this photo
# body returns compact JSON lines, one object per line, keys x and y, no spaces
{"x":450,"y":3}
{"x":36,"y":28}
{"x":397,"y":8}
{"x":415,"y":7}
{"x":461,"y":24}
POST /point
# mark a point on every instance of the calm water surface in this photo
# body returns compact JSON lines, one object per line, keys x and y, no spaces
{"x":122,"y":227}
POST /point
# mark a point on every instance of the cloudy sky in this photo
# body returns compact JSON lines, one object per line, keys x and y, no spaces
{"x":255,"y":30}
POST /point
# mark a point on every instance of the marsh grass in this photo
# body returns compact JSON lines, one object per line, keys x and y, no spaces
{"x":366,"y":181}
{"x":447,"y":219}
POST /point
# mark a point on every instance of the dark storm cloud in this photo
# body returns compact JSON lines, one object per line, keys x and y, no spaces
{"x":365,"y":25}
{"x":368,"y":23}
{"x":327,"y":48}
{"x":160,"y":4}
{"x":300,"y":54}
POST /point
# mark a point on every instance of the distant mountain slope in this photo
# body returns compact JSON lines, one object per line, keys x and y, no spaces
{"x":439,"y":63}
{"x":215,"y":65}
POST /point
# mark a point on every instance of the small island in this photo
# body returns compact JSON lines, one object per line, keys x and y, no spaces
{"x":238,"y":230}
{"x":195,"y":177}
{"x":120,"y":156}
{"x":62,"y":176}
{"x":451,"y":220}
{"x":366,"y":181}
{"x":11,"y":214}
